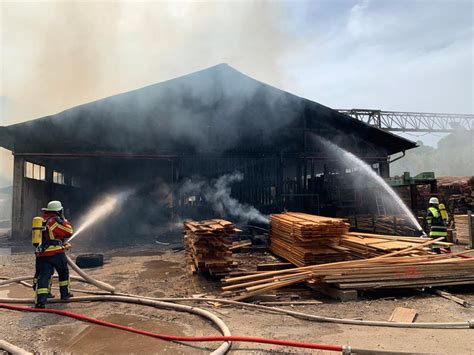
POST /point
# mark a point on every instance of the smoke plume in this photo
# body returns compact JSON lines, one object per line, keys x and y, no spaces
{"x":218,"y":194}
{"x":71,"y":53}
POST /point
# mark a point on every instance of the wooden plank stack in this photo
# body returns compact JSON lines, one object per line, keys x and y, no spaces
{"x":367,"y":245}
{"x":462,"y":228}
{"x":395,"y":270}
{"x":305,"y":239}
{"x":423,"y":271}
{"x":208,"y":245}
{"x":456,"y":192}
{"x":392,"y":225}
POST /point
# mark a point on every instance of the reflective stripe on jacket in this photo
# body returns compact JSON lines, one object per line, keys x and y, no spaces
{"x":57,"y":229}
{"x":437,"y":226}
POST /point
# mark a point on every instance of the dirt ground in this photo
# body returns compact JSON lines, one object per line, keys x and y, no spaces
{"x":155,"y":271}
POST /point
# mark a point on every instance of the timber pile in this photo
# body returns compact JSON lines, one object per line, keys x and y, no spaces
{"x":462,"y":228}
{"x":393,"y":225}
{"x":208,"y":245}
{"x":456,"y":192}
{"x":305,"y":239}
{"x":367,"y":245}
{"x":393,"y":270}
{"x":423,"y":271}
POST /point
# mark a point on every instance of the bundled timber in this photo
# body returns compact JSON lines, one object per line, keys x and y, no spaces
{"x":305,"y":239}
{"x":394,"y":225}
{"x":462,"y":228}
{"x":367,"y":245}
{"x":399,"y":269}
{"x":456,"y":192}
{"x":208,"y":245}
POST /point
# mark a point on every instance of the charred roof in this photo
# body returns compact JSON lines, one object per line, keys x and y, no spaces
{"x":212,"y":110}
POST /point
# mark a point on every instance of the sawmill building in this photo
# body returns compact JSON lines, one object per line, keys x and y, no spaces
{"x":203,"y":125}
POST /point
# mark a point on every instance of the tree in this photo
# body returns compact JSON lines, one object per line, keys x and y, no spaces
{"x":454,"y":156}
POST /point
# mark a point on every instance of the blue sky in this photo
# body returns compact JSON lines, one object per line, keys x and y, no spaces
{"x":390,"y":55}
{"x":393,"y":55}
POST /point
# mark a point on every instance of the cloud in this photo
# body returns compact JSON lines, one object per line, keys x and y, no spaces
{"x":398,"y":55}
{"x":392,"y":55}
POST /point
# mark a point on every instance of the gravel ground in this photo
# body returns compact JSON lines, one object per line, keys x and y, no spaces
{"x":153,"y":271}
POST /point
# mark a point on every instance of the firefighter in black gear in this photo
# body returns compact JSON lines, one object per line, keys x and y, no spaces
{"x":435,"y":225}
{"x":49,"y":235}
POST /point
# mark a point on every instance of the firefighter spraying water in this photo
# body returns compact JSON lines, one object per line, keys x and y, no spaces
{"x":51,"y":236}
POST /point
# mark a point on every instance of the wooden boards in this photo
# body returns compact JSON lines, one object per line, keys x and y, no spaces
{"x":208,"y":245}
{"x":395,"y":225}
{"x":387,"y":271}
{"x":462,"y":228}
{"x":457,"y":192}
{"x":367,"y":245}
{"x":305,"y":239}
{"x":403,"y":315}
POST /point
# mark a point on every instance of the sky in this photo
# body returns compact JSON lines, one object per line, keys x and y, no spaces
{"x":415,"y":55}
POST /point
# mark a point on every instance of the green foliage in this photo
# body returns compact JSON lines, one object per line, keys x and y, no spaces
{"x":454,"y":156}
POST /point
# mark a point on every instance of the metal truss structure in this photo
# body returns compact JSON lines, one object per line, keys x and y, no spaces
{"x":413,"y":121}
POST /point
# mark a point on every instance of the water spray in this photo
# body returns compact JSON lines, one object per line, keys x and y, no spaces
{"x":102,"y":209}
{"x":349,"y":157}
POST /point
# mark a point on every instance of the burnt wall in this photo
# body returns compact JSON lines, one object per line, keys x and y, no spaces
{"x":30,"y":195}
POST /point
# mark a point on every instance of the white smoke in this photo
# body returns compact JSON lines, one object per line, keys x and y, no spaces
{"x":218,"y":194}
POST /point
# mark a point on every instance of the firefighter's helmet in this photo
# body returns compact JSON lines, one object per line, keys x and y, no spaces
{"x":434,"y":201}
{"x":53,"y":206}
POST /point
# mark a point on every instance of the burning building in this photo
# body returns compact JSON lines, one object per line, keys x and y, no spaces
{"x":197,"y":127}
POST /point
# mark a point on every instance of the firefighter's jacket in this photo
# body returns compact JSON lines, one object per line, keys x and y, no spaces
{"x":55,"y":233}
{"x":437,"y":226}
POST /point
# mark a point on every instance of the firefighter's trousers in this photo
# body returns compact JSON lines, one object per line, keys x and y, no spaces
{"x":45,"y":268}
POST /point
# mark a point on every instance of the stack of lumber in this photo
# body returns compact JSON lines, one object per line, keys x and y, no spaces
{"x":305,"y":239}
{"x":393,"y":225}
{"x":462,"y":228}
{"x":423,"y":271}
{"x":367,"y":245}
{"x":394,"y":270}
{"x":456,"y":192}
{"x":208,"y":245}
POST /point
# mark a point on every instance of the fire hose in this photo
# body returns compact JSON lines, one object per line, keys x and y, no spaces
{"x":99,"y":284}
{"x":163,"y":303}
{"x":181,"y":338}
{"x":300,"y":315}
{"x":311,"y":317}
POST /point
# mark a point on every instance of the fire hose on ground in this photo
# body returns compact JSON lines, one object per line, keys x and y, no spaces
{"x":175,"y":337}
{"x":223,"y":348}
{"x":300,"y":315}
{"x":99,"y":284}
